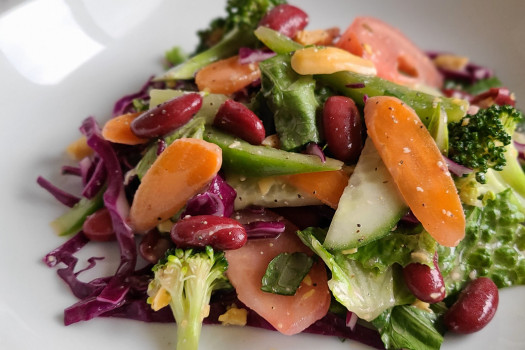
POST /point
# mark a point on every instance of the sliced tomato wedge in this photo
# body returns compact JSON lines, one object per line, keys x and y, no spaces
{"x":288,"y":314}
{"x":396,"y":57}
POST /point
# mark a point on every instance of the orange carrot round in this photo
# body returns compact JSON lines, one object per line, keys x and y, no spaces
{"x":180,"y":172}
{"x":327,"y":186}
{"x":227,"y":76}
{"x":417,"y":166}
{"x":118,"y":130}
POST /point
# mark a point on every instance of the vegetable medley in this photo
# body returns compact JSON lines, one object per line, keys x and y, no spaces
{"x":302,"y":180}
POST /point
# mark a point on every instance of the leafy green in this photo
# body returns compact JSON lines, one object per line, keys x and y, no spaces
{"x":493,"y":246}
{"x":285,"y":273}
{"x":397,"y":247}
{"x":291,"y":98}
{"x":362,"y":291}
{"x":483,"y":85}
{"x":175,"y":56}
{"x":408,"y":327}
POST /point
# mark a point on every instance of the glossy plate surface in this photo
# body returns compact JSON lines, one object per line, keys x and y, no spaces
{"x":62,"y":60}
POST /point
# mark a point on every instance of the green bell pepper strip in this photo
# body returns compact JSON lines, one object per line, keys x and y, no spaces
{"x":242,"y":158}
{"x":345,"y":83}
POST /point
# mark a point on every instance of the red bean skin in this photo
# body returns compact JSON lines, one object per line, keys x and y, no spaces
{"x":475,"y":307}
{"x":424,"y":282}
{"x":199,"y":231}
{"x":154,"y":245}
{"x":99,"y":227}
{"x":343,"y":128}
{"x":167,"y":116}
{"x":239,"y":120}
{"x":286,"y":19}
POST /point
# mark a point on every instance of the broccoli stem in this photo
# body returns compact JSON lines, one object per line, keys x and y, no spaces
{"x":512,"y":172}
{"x":227,"y":47}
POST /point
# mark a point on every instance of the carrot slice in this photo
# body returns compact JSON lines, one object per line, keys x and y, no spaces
{"x":179,"y":173}
{"x":327,"y":186}
{"x":118,"y":130}
{"x":227,"y":76}
{"x":417,"y":166}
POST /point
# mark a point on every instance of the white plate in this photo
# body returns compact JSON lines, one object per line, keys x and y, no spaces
{"x":62,"y":60}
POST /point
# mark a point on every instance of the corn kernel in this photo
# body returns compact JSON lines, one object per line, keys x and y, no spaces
{"x":79,"y":149}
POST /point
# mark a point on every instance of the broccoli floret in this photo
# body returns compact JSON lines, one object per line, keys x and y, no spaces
{"x":226,"y":35}
{"x":480,"y":141}
{"x":184,"y":280}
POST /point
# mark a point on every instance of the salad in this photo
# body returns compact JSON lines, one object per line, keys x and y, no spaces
{"x":302,"y":180}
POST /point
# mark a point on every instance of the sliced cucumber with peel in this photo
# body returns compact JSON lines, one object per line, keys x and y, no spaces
{"x":370,"y":206}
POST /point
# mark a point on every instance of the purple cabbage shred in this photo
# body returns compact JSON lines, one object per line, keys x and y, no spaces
{"x":62,"y":196}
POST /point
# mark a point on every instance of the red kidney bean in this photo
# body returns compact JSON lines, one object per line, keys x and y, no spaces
{"x":167,"y":116}
{"x":240,"y":121}
{"x":199,"y":231}
{"x":99,"y":227}
{"x":286,"y":19}
{"x":343,"y":128}
{"x":424,"y":282}
{"x":475,"y":307}
{"x":154,"y":245}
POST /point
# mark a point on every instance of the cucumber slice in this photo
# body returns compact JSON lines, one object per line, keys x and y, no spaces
{"x":370,"y":206}
{"x":268,"y":192}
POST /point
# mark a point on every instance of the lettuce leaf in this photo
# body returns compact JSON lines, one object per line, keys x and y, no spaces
{"x":291,"y":98}
{"x":408,"y":327}
{"x":363,"y":291}
{"x":397,"y":247}
{"x":494,"y":245}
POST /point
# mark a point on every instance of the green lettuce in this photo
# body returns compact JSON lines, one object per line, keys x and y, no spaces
{"x":365,"y":292}
{"x":291,"y":98}
{"x":408,"y":327}
{"x":493,"y":246}
{"x":397,"y":247}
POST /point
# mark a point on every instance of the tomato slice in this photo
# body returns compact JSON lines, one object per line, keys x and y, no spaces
{"x":288,"y":314}
{"x":396,"y":58}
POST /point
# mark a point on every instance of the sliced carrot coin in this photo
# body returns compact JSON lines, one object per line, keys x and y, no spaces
{"x":179,"y":173}
{"x":417,"y":167}
{"x":118,"y":130}
{"x":227,"y":76}
{"x":327,"y":186}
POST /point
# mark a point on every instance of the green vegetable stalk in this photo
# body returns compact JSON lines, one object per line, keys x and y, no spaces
{"x":240,"y":157}
{"x":235,"y":31}
{"x":72,"y":221}
{"x":185,"y":279}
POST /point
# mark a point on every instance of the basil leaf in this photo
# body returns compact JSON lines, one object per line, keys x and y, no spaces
{"x":285,"y":273}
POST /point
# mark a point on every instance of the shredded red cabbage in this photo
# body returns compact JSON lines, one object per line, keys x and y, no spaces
{"x":470,"y":74}
{"x":264,"y":229}
{"x":95,"y":181}
{"x":125,"y":103}
{"x":457,"y":169}
{"x":108,"y":293}
{"x":62,"y":196}
{"x":247,"y":55}
{"x":217,"y":200}
{"x":500,"y":96}
{"x":314,"y":149}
